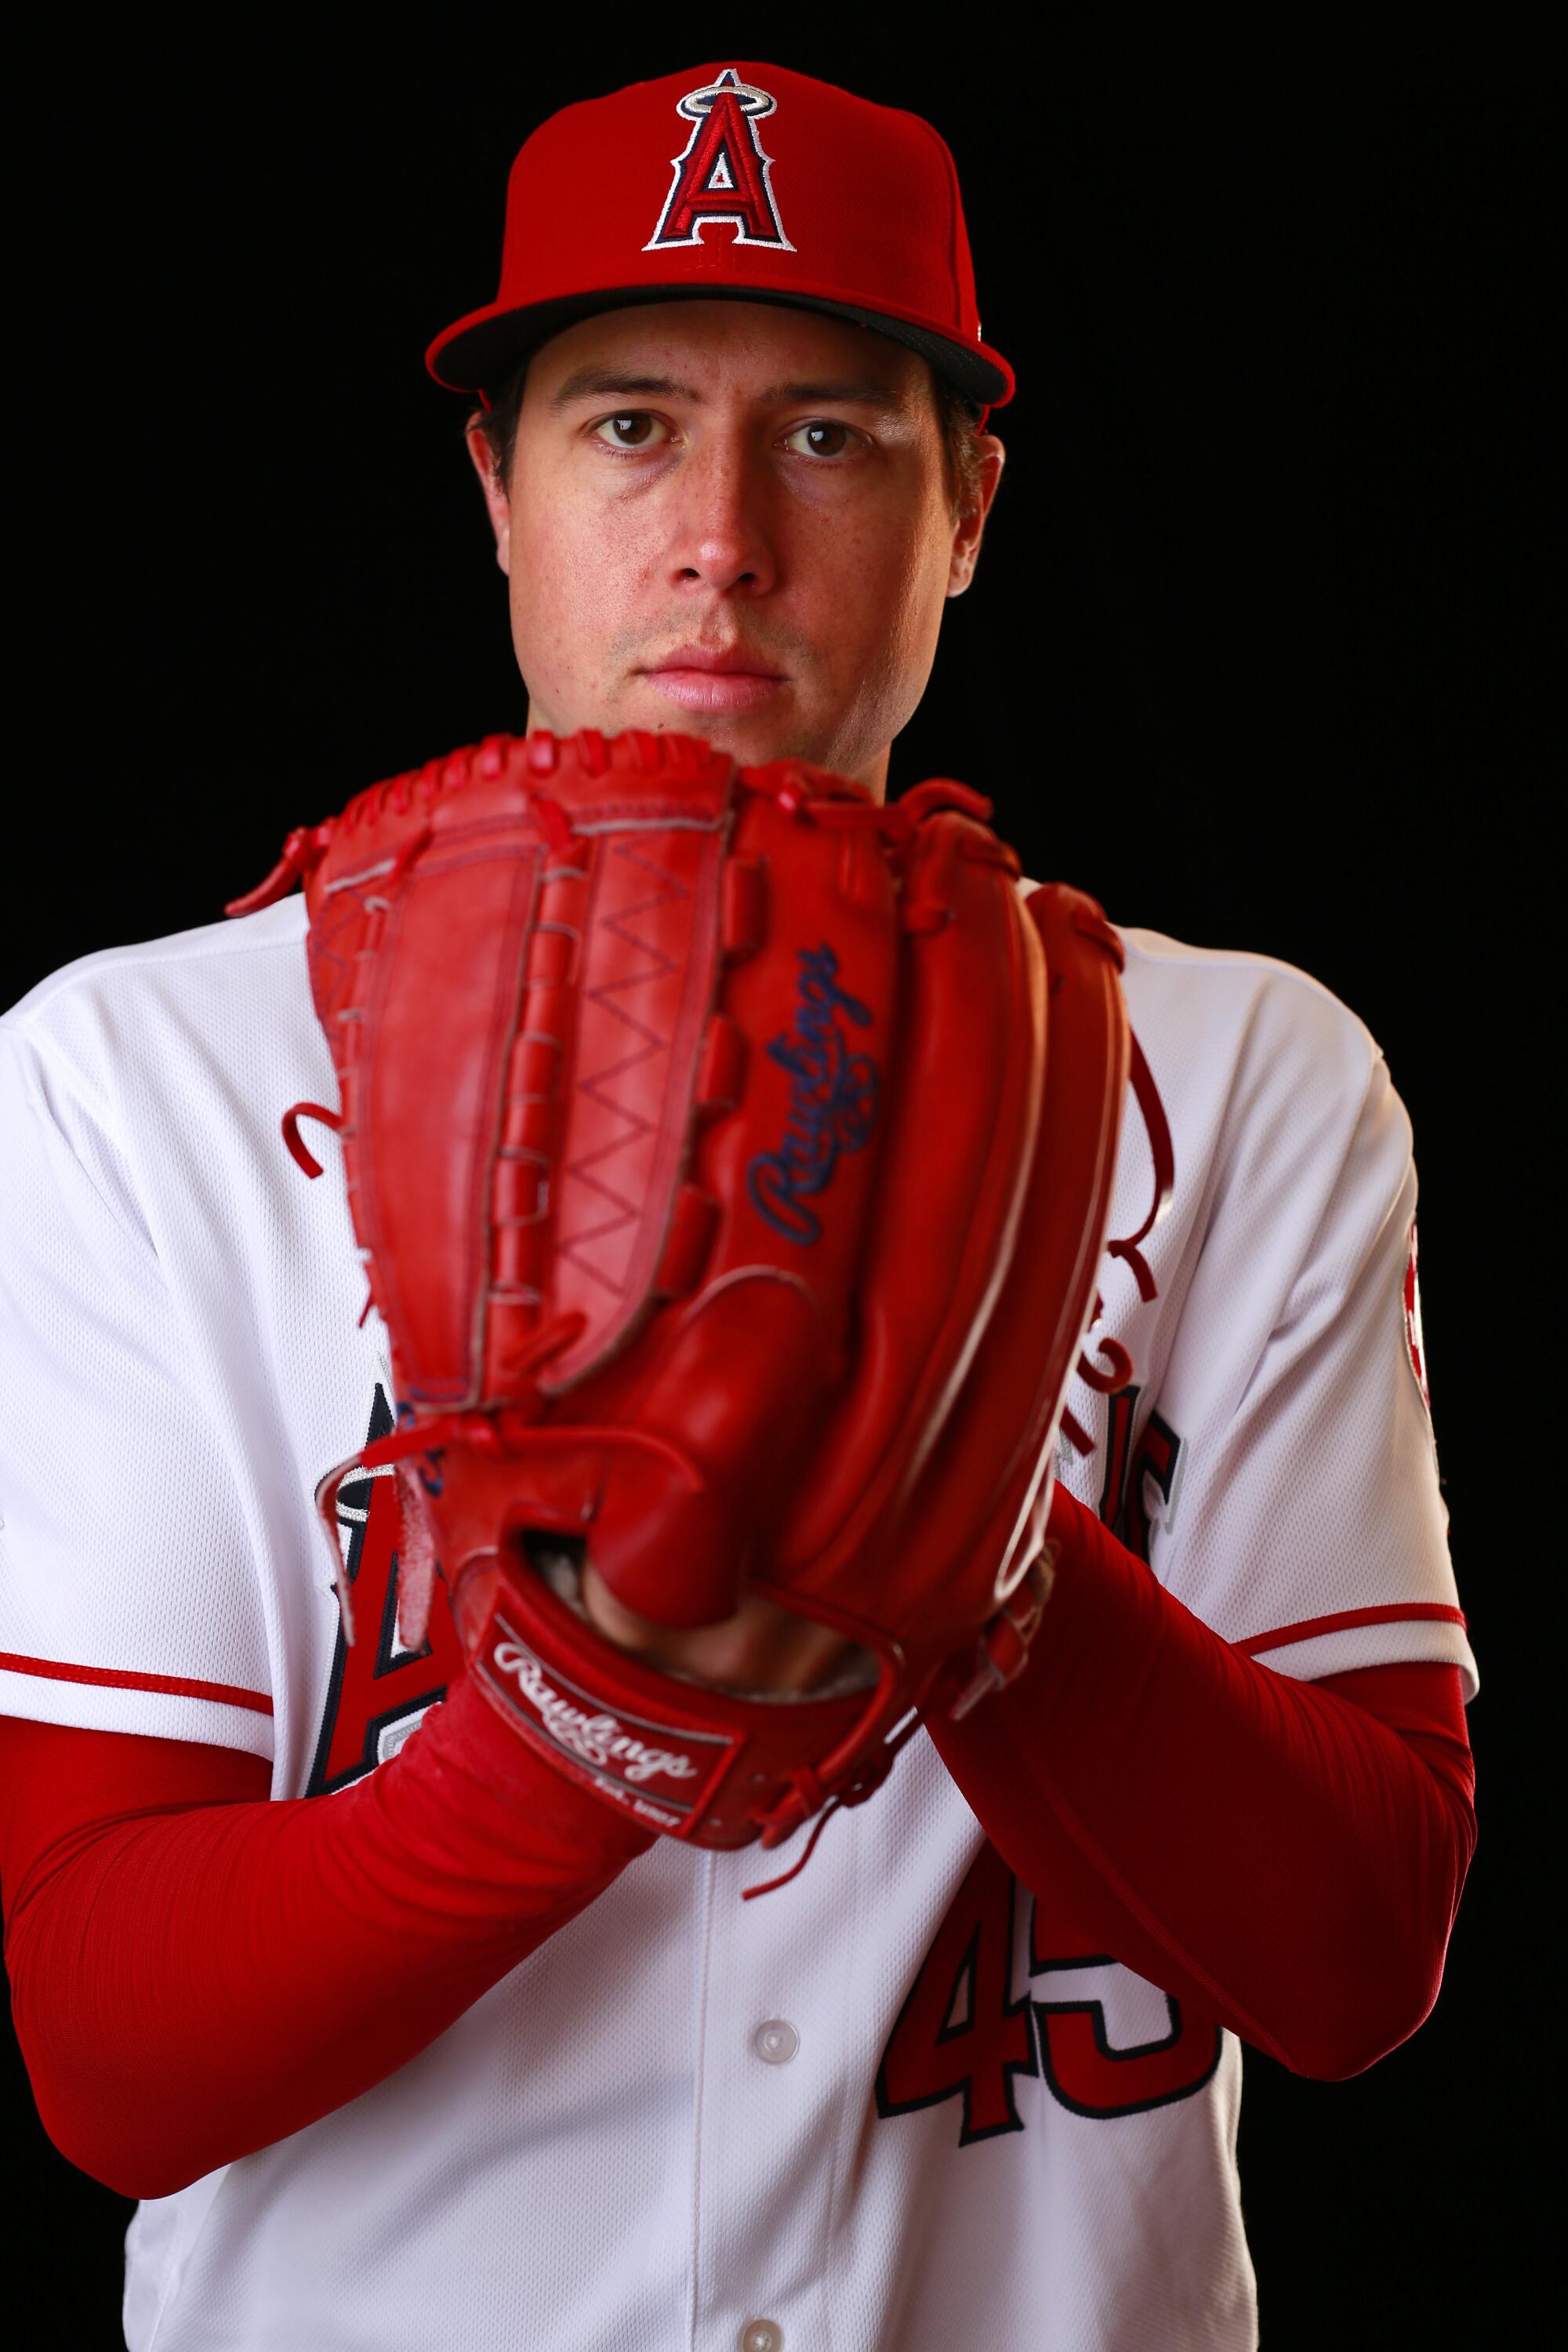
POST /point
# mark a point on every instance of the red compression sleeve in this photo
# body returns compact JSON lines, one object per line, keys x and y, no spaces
{"x":1285,"y":1856}
{"x":197,"y":1973}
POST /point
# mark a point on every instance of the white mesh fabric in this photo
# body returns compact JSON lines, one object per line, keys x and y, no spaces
{"x":1306,"y":1483}
{"x":177,"y":1344}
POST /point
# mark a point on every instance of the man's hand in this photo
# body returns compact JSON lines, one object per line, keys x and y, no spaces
{"x":761,"y":1648}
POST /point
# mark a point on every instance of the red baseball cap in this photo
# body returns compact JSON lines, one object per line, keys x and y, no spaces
{"x":741,"y":181}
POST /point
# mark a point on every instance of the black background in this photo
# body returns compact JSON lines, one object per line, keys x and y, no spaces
{"x":1255,"y":653}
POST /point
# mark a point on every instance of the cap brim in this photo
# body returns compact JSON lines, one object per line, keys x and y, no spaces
{"x":482,"y":350}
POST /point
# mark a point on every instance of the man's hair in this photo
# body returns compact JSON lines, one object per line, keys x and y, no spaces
{"x":957,"y":416}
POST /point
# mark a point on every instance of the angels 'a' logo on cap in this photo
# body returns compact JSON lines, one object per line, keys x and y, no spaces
{"x":722,"y":173}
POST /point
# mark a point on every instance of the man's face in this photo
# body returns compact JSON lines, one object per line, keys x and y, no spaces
{"x":734,"y":520}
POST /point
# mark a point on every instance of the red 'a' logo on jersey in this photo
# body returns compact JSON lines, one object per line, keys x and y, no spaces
{"x":378,"y":1690}
{"x":722,"y":174}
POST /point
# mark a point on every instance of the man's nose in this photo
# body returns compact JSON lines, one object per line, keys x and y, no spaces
{"x":722,"y":537}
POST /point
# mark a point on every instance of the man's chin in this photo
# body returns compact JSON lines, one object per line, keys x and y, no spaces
{"x":751,"y":737}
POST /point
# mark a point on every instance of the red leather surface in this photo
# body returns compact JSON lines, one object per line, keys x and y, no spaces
{"x":962,"y":1122}
{"x":691,"y":1118}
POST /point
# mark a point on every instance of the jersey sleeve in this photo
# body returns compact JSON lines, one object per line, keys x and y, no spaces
{"x":128,"y":1600}
{"x":1291,"y":1495}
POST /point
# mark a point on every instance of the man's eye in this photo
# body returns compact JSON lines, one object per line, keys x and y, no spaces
{"x":821,"y":438}
{"x":634,"y":429}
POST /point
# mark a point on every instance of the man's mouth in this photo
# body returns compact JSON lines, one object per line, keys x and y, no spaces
{"x":723,"y":678}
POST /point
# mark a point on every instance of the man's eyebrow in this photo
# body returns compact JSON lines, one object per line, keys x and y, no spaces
{"x":856,"y":392}
{"x":622,"y":384}
{"x":617,"y":384}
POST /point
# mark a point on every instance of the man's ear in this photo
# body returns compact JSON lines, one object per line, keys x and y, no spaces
{"x":498,"y":506}
{"x":971,"y":524}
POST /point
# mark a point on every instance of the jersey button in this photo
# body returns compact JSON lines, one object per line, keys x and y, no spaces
{"x":777,"y":2042}
{"x":762,"y":2336}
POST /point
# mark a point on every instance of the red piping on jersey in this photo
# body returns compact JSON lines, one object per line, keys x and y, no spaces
{"x":166,"y":1685}
{"x":1397,"y":1612}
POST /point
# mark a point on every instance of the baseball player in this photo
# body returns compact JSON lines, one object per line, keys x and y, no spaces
{"x":400,"y":2035}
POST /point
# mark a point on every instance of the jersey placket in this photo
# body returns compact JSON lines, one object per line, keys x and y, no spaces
{"x":776,"y":2003}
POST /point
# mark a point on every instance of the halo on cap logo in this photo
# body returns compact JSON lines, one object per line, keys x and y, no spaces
{"x":722,"y":174}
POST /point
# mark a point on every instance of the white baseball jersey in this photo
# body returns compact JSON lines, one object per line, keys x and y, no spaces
{"x":876,"y":2108}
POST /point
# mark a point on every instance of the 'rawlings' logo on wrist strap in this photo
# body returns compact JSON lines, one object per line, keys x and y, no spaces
{"x":658,"y":1769}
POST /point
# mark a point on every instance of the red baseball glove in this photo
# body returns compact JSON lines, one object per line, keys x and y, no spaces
{"x":730,"y":1156}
